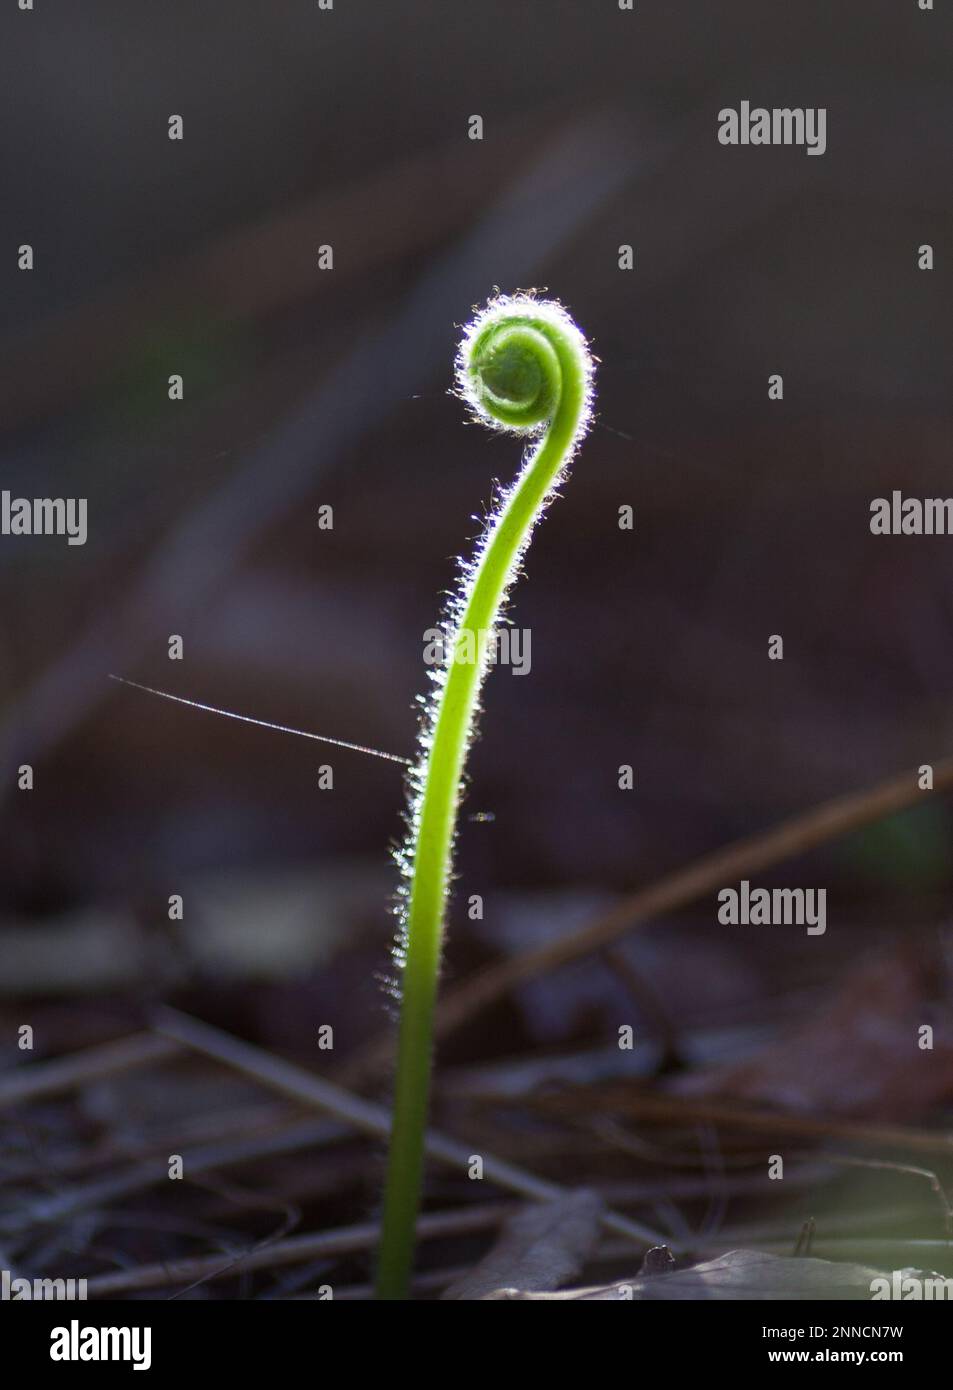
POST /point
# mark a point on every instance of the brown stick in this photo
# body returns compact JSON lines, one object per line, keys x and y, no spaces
{"x":366,"y":1116}
{"x":294,"y":1250}
{"x":740,"y":859}
{"x":651,"y":1107}
{"x":40,"y":1079}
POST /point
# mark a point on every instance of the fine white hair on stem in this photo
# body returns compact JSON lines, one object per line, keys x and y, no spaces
{"x":502,"y":311}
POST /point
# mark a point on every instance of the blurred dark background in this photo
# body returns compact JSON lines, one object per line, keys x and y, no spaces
{"x":306,"y":388}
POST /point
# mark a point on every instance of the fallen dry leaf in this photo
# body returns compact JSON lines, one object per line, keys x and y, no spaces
{"x":740,"y":1274}
{"x":860,"y":1056}
{"x":539,"y":1248}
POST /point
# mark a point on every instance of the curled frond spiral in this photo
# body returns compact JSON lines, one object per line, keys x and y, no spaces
{"x":512,"y":360}
{"x":524,"y":367}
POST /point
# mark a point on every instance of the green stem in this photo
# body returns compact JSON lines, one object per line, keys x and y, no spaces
{"x":523,"y":366}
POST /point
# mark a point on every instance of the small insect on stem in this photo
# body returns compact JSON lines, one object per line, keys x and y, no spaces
{"x":523,"y":367}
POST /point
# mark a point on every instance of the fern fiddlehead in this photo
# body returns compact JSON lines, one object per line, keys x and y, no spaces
{"x":523,"y":367}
